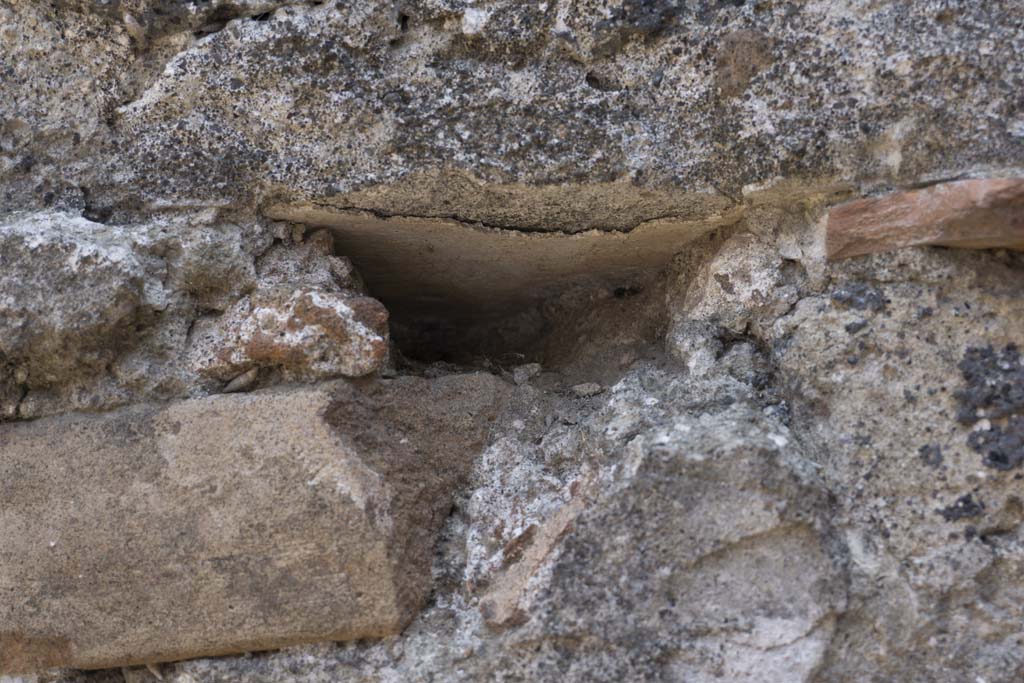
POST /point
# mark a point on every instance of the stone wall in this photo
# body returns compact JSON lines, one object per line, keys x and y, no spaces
{"x":577,"y":340}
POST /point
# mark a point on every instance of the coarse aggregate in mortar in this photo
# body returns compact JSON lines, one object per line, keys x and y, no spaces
{"x":556,"y":115}
{"x":770,"y":459}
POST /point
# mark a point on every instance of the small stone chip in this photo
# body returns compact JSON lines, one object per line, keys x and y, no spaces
{"x":965,"y":507}
{"x":524,"y":373}
{"x":587,"y":389}
{"x":242,"y":382}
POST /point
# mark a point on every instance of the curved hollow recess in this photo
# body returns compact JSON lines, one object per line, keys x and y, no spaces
{"x":444,"y":281}
{"x":424,"y":263}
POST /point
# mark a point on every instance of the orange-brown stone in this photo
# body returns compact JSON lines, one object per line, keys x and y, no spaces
{"x":979,"y":214}
{"x":229,"y":524}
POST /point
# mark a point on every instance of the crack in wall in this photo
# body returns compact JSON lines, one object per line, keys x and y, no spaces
{"x":471,"y":223}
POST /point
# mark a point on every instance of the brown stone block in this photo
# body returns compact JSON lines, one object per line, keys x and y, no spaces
{"x":978,"y":214}
{"x":227,"y":524}
{"x":312,"y":334}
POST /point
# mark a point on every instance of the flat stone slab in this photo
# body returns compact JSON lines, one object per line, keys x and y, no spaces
{"x":233,"y":523}
{"x":977,"y":214}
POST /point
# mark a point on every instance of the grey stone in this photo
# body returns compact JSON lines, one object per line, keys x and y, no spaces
{"x":524,"y":373}
{"x":70,"y":295}
{"x":564,"y":115}
{"x":897,"y":509}
{"x":718,"y":554}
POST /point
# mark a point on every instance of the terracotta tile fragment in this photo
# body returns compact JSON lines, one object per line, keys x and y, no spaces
{"x":976,"y":214}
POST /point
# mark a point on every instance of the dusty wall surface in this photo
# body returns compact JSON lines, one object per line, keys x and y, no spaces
{"x":450,"y":340}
